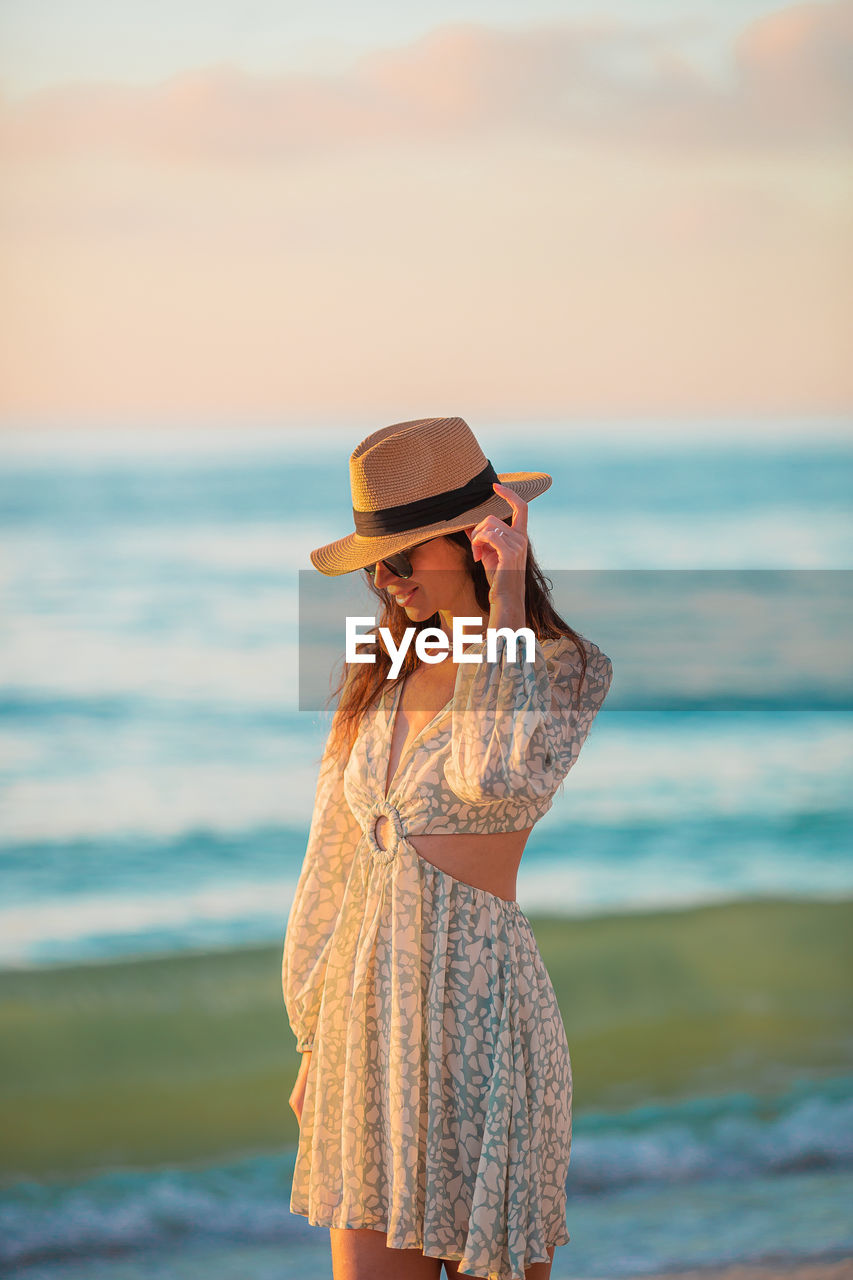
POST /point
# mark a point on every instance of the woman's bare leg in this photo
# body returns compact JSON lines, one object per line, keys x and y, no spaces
{"x":538,"y":1270}
{"x":360,"y":1253}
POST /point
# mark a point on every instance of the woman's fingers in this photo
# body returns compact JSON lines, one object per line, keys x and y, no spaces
{"x":297,"y":1093}
{"x":502,"y":549}
{"x":519,"y":507}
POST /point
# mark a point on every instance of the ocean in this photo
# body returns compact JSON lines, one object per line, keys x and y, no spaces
{"x":157,"y":762}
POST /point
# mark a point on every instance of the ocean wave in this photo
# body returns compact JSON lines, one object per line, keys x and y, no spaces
{"x":85,"y":774}
{"x":735,"y":1137}
{"x":131,"y":894}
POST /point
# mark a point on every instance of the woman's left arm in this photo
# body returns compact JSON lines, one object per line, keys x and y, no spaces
{"x":518,"y":726}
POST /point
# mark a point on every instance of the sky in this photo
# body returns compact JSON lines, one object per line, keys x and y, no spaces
{"x":314,"y":214}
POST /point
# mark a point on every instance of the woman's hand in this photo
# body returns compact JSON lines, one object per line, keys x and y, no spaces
{"x":502,"y":551}
{"x":297,"y":1095}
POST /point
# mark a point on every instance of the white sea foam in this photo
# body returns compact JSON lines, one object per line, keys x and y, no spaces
{"x":255,"y":910}
{"x":162,"y":801}
{"x":70,"y":919}
{"x":669,"y":770}
{"x":64,"y":659}
{"x":668,"y":880}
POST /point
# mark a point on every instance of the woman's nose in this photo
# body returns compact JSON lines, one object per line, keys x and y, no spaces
{"x":384,"y":575}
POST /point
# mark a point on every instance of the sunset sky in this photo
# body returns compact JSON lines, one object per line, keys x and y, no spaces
{"x":240,"y":213}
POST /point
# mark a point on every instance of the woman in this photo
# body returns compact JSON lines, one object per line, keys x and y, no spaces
{"x":435,"y":1091}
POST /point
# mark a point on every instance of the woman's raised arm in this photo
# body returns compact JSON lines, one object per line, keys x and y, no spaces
{"x":518,"y":726}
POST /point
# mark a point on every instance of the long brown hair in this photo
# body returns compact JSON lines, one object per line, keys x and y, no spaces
{"x":363,"y":682}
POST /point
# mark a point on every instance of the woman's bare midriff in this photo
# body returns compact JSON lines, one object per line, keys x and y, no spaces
{"x":487,"y":862}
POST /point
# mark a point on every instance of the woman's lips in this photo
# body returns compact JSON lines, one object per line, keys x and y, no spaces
{"x":404,"y":600}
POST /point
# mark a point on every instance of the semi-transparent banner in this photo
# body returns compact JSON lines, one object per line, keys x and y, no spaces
{"x":680,"y":639}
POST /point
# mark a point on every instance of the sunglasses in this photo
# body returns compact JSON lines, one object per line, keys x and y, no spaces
{"x":399,"y":563}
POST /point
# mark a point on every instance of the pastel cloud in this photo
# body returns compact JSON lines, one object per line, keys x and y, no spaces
{"x":793,"y":74}
{"x":790,"y":85}
{"x":555,"y":219}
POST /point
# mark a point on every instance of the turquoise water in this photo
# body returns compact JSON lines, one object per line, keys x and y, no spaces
{"x":157,"y":773}
{"x":156,"y":782}
{"x":703,"y":1182}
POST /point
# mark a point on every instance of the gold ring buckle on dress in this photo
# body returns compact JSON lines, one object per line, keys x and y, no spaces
{"x":384,"y":809}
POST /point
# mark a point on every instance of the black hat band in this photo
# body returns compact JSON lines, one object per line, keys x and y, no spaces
{"x":425,"y":511}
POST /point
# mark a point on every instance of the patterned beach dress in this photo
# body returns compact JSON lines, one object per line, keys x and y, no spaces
{"x":438,"y":1100}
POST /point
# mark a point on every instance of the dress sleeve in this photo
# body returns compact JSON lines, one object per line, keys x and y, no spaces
{"x":518,"y":726}
{"x":332,"y":840}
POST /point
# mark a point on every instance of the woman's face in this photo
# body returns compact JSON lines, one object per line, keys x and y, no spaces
{"x":439,"y":581}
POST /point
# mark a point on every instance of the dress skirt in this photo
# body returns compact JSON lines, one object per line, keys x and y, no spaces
{"x":438,"y":1100}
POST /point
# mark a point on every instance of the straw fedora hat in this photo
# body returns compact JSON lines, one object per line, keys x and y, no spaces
{"x":416,"y":480}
